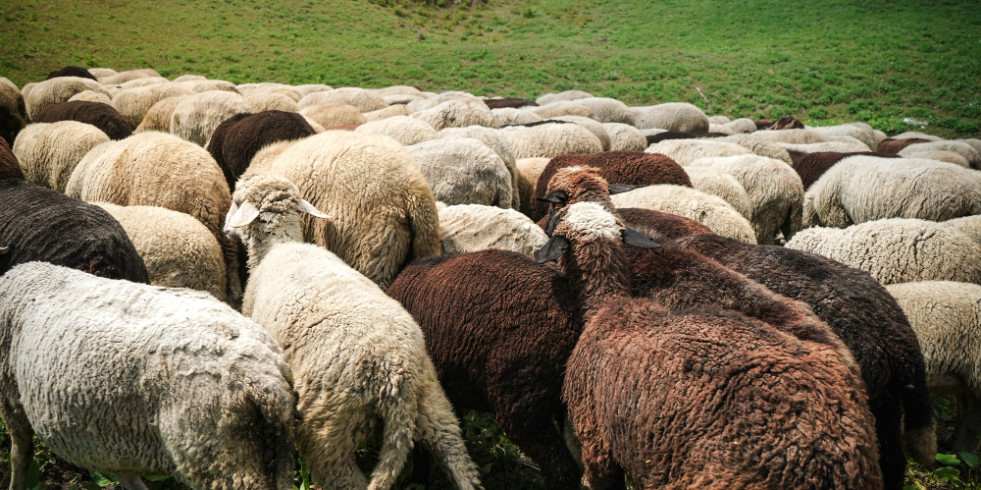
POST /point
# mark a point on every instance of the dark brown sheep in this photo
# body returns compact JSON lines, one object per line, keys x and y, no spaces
{"x":580,"y":183}
{"x":617,"y":167}
{"x":892,"y":146}
{"x":237,"y":139}
{"x":701,"y":397}
{"x":811,"y":166}
{"x":867,"y":319}
{"x":679,"y":135}
{"x":9,"y":166}
{"x":13,"y":111}
{"x":102,"y":116}
{"x":71,"y":71}
{"x":37,"y":223}
{"x":499,"y":328}
{"x":509,"y":102}
{"x":787,"y":122}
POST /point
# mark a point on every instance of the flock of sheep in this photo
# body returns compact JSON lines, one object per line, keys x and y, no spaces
{"x":197,"y":277}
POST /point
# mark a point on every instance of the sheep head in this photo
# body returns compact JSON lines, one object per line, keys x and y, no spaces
{"x":266,"y":210}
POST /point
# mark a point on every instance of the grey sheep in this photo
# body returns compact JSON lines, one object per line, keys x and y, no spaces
{"x":138,"y":380}
{"x":464,"y":171}
{"x":472,"y":227}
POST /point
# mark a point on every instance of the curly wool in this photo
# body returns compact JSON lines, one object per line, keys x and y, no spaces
{"x":179,"y":384}
{"x":103,"y":116}
{"x":551,"y":139}
{"x":721,"y":184}
{"x":867,"y":188}
{"x":495,"y":140}
{"x":404,"y":129}
{"x":56,"y":90}
{"x":464,"y":171}
{"x":672,"y":116}
{"x":708,"y":210}
{"x":49,"y":152}
{"x":197,"y":116}
{"x":37,"y":223}
{"x":898,"y":250}
{"x":383,"y":209}
{"x":946,"y":317}
{"x":473,"y":227}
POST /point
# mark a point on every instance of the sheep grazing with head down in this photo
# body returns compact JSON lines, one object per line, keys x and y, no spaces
{"x":499,"y":328}
{"x":946,"y":316}
{"x":358,"y":357}
{"x":699,"y":397}
{"x":138,"y":380}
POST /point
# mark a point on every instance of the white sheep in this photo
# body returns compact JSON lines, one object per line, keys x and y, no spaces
{"x":865,"y":188}
{"x":898,"y":250}
{"x":495,"y":140}
{"x":607,"y":110}
{"x":177,"y":249}
{"x":117,"y":78}
{"x":759,"y":146}
{"x":624,"y":137}
{"x":775,"y":192}
{"x":133,"y":379}
{"x":267,"y":100}
{"x":794,"y":136}
{"x":711,"y":211}
{"x":464,"y":171}
{"x":672,"y":116}
{"x":935,"y":150}
{"x":685,"y":151}
{"x":528,"y":171}
{"x":837,"y":146}
{"x":458,"y":113}
{"x":551,"y":139}
{"x":384,"y":210}
{"x":741,"y":125}
{"x":58,"y":89}
{"x":561,"y":108}
{"x":946,"y":317}
{"x":358,"y":356}
{"x":390,"y":111}
{"x":157,"y":117}
{"x":567,"y":95}
{"x":49,"y":152}
{"x":197,"y":116}
{"x":858,"y":130}
{"x":592,"y":125}
{"x":472,"y":227}
{"x":364,"y":100}
{"x":404,"y":129}
{"x":92,"y":96}
{"x":507,"y":116}
{"x":721,"y":184}
{"x":333,"y":114}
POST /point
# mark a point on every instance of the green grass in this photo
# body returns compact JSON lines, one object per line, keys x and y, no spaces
{"x":824,"y":62}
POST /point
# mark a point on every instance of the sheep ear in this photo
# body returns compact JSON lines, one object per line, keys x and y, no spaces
{"x":638,"y":239}
{"x":311,"y":209}
{"x":552,"y":250}
{"x":555,"y":197}
{"x":245,"y":214}
{"x":620,"y":188}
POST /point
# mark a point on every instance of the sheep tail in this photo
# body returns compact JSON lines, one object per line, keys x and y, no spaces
{"x":919,"y":434}
{"x":424,"y":222}
{"x":277,"y":423}
{"x":398,"y":411}
{"x":440,"y":432}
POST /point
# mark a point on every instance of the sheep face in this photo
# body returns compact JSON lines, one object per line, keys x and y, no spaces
{"x":266,"y":210}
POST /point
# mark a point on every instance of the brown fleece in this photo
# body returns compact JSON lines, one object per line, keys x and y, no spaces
{"x":103,"y":116}
{"x":9,"y":166}
{"x":892,"y":146}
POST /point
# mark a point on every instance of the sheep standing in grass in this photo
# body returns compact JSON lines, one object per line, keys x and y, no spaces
{"x":384,"y":211}
{"x":947,"y":319}
{"x":699,"y":398}
{"x":37,"y":223}
{"x":898,"y":250}
{"x":866,"y":188}
{"x":49,"y":152}
{"x":138,"y":380}
{"x":358,"y":357}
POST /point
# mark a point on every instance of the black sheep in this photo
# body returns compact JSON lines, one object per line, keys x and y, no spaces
{"x":37,"y":223}
{"x":499,"y":328}
{"x":237,"y":139}
{"x":102,"y":116}
{"x":679,"y":135}
{"x":72,"y":71}
{"x":509,"y":102}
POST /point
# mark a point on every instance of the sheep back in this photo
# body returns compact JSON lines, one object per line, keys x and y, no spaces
{"x":103,"y":116}
{"x":41,"y":224}
{"x":49,"y":152}
{"x":707,"y":209}
{"x":474,"y":227}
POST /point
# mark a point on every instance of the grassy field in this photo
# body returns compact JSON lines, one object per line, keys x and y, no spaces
{"x":896,"y":65}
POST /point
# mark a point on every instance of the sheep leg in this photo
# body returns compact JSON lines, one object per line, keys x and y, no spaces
{"x":132,"y":482}
{"x":21,"y":453}
{"x":535,"y":434}
{"x":440,"y":432}
{"x":888,"y":428}
{"x":602,"y":471}
{"x":967,"y":426}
